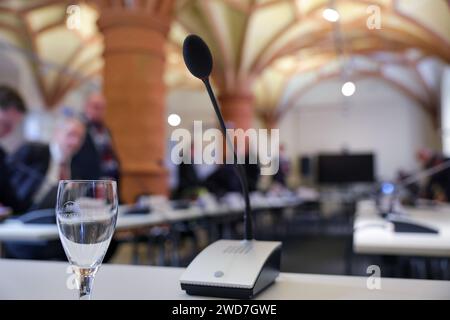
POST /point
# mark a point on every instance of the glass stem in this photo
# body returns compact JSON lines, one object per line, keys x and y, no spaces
{"x":86,"y":281}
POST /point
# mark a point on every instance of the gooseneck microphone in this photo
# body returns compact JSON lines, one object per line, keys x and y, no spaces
{"x":198,"y":60}
{"x":228,"y":268}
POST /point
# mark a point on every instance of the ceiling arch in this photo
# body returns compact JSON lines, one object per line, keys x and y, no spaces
{"x":34,"y":27}
{"x":248,"y":38}
{"x":405,"y":72}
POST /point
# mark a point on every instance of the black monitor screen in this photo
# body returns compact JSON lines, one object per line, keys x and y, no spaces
{"x":348,"y":168}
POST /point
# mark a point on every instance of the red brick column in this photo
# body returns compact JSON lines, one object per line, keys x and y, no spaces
{"x":237,"y":109}
{"x":134,"y":56}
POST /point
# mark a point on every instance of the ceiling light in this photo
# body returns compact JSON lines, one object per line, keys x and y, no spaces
{"x":330,"y":15}
{"x":348,"y":89}
{"x":174,"y":120}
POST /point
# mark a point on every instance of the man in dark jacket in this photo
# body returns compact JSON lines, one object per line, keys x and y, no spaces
{"x":36,"y":171}
{"x":97,"y":152}
{"x":37,"y":168}
{"x":7,"y":195}
{"x":12,"y":115}
{"x":225,"y":179}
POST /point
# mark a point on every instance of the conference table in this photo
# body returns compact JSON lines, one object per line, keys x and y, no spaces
{"x":51,"y":280}
{"x":374,"y":235}
{"x":15,"y":230}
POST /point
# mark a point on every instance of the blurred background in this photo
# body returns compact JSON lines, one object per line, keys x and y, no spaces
{"x":359,"y":90}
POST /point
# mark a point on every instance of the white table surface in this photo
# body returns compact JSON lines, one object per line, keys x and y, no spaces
{"x":47,"y":280}
{"x":18,"y":231}
{"x":373,"y":235}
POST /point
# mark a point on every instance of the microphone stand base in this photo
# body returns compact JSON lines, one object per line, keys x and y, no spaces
{"x":238,"y":269}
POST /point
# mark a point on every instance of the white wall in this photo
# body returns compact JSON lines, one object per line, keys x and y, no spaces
{"x":376,"y":118}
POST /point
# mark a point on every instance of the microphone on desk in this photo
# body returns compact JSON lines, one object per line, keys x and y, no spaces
{"x":228,"y":268}
{"x":198,"y":60}
{"x":401,"y":222}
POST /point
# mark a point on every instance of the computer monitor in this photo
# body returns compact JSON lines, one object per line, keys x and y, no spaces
{"x":345,"y":168}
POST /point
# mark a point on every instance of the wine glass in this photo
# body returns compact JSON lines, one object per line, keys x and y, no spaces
{"x":86,"y":212}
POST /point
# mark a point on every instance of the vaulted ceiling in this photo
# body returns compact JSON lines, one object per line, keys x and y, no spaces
{"x":259,"y":45}
{"x":275,"y":44}
{"x":61,"y":56}
{"x":249,"y":36}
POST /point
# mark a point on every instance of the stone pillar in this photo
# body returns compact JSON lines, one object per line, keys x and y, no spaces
{"x":134,"y":57}
{"x":237,"y":110}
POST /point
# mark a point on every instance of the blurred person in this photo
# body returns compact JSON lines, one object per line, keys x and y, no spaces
{"x":413,"y":188}
{"x":283,"y":169}
{"x":37,"y":168}
{"x":12,"y":114}
{"x":191,"y":177}
{"x":437,"y":186}
{"x":97,"y":151}
{"x":37,"y":171}
{"x":252,"y":170}
{"x":225,"y":179}
{"x":188,"y":181}
{"x":7,"y":196}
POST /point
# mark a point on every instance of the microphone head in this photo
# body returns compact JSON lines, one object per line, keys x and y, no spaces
{"x":197,"y":57}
